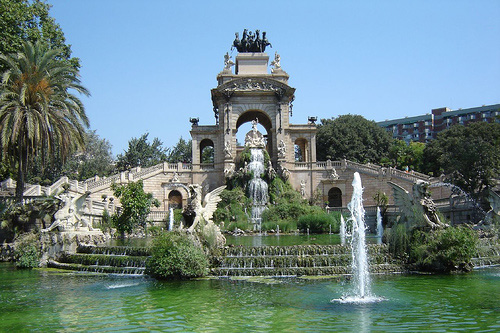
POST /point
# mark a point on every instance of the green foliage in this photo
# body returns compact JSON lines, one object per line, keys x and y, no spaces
{"x":142,"y":153}
{"x":443,"y":250}
{"x":181,"y":152}
{"x":39,"y":115}
{"x":106,"y":222}
{"x":319,"y":223}
{"x":155,"y":231}
{"x":136,"y":205}
{"x":232,"y":207}
{"x":175,"y":256}
{"x":469,"y":156}
{"x":242,"y":225}
{"x":95,"y":159}
{"x":29,"y":20}
{"x":285,"y":226}
{"x":352,"y":137}
{"x":17,"y":218}
{"x":27,"y":250}
{"x":286,"y":204}
{"x":398,"y":238}
{"x":405,"y":156}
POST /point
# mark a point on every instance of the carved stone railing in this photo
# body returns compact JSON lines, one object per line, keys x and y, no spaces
{"x":32,"y":190}
{"x":92,"y":184}
{"x":158,"y":216}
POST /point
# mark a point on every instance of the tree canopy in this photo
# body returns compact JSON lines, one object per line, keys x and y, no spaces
{"x":29,"y":20}
{"x":39,"y":114}
{"x":469,"y":156}
{"x":405,"y":156}
{"x":352,"y":137}
{"x":142,"y":153}
{"x":181,"y":152}
{"x":136,"y":205}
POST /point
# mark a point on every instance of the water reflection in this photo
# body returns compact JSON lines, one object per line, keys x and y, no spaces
{"x":55,"y":301}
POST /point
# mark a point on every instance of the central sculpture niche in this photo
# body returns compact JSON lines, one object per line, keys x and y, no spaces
{"x":255,"y":139}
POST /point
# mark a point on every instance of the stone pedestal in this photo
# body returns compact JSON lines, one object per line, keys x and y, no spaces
{"x":56,"y":243}
{"x":251,"y":63}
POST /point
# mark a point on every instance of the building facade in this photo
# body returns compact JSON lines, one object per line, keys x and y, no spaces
{"x":425,"y":127}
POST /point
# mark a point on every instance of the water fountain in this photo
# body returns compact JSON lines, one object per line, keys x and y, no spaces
{"x":342,"y":230}
{"x":257,"y":188}
{"x":171,"y":223}
{"x":361,"y":292}
{"x":380,"y":227}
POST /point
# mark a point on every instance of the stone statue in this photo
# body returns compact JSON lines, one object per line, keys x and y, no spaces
{"x":493,"y":214}
{"x":271,"y":173}
{"x":417,"y":208}
{"x":228,"y":150}
{"x":281,"y":149}
{"x":303,"y":188}
{"x":229,"y":172}
{"x":333,"y":175}
{"x":250,"y":42}
{"x":285,"y":174}
{"x":255,"y":139}
{"x":69,"y":217}
{"x":276,"y":63}
{"x":228,"y":63}
{"x":204,"y":212}
{"x":264,"y":42}
{"x":175,"y":177}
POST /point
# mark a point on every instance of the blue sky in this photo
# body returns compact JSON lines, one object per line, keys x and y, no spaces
{"x":150,"y":65}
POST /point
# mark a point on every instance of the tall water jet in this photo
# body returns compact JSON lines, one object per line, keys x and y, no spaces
{"x":360,"y":274}
{"x":380,"y":228}
{"x":342,"y":230}
{"x":361,"y":277}
{"x":171,"y":223}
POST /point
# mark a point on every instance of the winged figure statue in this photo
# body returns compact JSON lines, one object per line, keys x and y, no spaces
{"x":493,"y":214}
{"x":207,"y":209}
{"x":70,"y":215}
{"x":417,"y":208}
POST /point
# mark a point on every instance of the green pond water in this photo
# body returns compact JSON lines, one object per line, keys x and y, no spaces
{"x":49,"y":300}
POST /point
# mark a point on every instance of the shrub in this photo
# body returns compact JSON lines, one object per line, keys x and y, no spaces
{"x":27,"y":250}
{"x":285,"y":226}
{"x":174,"y":255}
{"x":398,"y":238}
{"x":242,"y":225}
{"x":106,"y":222}
{"x":318,"y":223}
{"x":232,"y":207}
{"x":443,"y":250}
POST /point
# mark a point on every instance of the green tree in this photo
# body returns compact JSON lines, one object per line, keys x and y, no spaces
{"x":181,"y":152}
{"x":352,"y":137}
{"x":38,"y":113}
{"x":136,"y":205}
{"x":95,"y":159}
{"x":469,"y":156}
{"x":29,"y":20}
{"x":403,"y":155}
{"x":142,"y":153}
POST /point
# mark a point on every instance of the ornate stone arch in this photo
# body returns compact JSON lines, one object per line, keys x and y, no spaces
{"x":335,"y":197}
{"x":207,"y":143}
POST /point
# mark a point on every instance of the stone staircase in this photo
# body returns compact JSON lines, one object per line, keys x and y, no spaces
{"x":300,"y":260}
{"x":488,"y":253}
{"x":129,"y":261}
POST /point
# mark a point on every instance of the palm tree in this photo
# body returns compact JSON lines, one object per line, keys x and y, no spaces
{"x":38,"y":113}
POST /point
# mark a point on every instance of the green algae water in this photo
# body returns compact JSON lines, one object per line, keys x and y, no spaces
{"x":49,"y":300}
